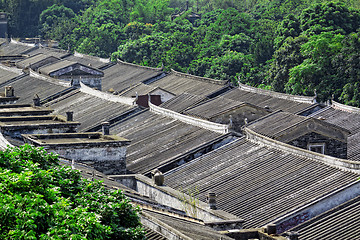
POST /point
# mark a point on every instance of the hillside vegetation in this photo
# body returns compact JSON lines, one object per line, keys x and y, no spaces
{"x":291,"y":46}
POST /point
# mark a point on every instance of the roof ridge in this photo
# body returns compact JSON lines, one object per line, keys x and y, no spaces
{"x":295,"y":98}
{"x":82,"y":55}
{"x":345,"y":108}
{"x":139,"y":66}
{"x":198,"y":78}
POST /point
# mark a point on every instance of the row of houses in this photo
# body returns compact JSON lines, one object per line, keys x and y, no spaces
{"x":203,"y":158}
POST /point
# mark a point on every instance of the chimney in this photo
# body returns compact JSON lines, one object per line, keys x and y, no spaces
{"x":36,"y":101}
{"x":158,"y":177}
{"x":9,"y":91}
{"x":211,"y":199}
{"x":106,"y":128}
{"x":271,"y":229}
{"x":69,"y":116}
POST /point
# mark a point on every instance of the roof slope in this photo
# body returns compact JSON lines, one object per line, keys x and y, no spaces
{"x":272,"y":102}
{"x":89,"y":110}
{"x":255,"y":182}
{"x":87,"y":60}
{"x":182,"y":101}
{"x":123,"y":75}
{"x":156,"y":139}
{"x":338,"y":223}
{"x":26,"y":87}
{"x":7,"y":75}
{"x":55,"y":52}
{"x":179,"y":83}
{"x":214,"y":108}
{"x":350,"y":121}
{"x":12,"y":49}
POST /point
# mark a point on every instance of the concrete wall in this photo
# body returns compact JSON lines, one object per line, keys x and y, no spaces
{"x":172,"y":198}
{"x":105,"y":159}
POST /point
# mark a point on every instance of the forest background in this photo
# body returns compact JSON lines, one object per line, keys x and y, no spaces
{"x":290,"y":46}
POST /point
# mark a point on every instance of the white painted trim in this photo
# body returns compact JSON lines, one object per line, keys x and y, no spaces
{"x":4,"y":143}
{"x":345,"y":108}
{"x":21,"y":43}
{"x":107,"y":96}
{"x":104,"y":60}
{"x":295,"y":98}
{"x":216,"y":127}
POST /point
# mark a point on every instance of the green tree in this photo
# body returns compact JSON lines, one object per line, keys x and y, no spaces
{"x":39,"y":199}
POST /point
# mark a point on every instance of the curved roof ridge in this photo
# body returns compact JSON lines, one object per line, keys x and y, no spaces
{"x":198,"y":78}
{"x":82,"y":55}
{"x":135,"y":65}
{"x":295,"y":98}
{"x":345,"y":108}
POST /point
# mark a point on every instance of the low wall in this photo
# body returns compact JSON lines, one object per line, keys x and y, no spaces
{"x":172,"y":198}
{"x":216,"y":127}
{"x":107,"y":96}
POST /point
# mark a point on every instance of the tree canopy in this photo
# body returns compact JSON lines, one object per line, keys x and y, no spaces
{"x":39,"y":199}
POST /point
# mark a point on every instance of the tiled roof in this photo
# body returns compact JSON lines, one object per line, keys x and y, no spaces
{"x":89,"y":110}
{"x":255,"y":182}
{"x":179,"y":83}
{"x":182,"y":102}
{"x":337,"y":224}
{"x":140,"y":89}
{"x":55,"y":52}
{"x":7,"y":75}
{"x":214,"y":107}
{"x":272,"y":102}
{"x":26,"y":87}
{"x":350,"y":121}
{"x":155,"y":140}
{"x":87,"y":60}
{"x":123,"y":75}
{"x":12,"y":49}
{"x":33,"y":59}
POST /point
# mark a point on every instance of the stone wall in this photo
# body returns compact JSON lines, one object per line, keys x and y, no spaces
{"x":332,"y":147}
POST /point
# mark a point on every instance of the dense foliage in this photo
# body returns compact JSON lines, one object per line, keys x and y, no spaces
{"x":292,"y":46}
{"x":39,"y":199}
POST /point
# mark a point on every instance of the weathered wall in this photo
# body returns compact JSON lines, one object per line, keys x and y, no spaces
{"x":172,"y":198}
{"x":106,"y":159}
{"x":332,"y":147}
